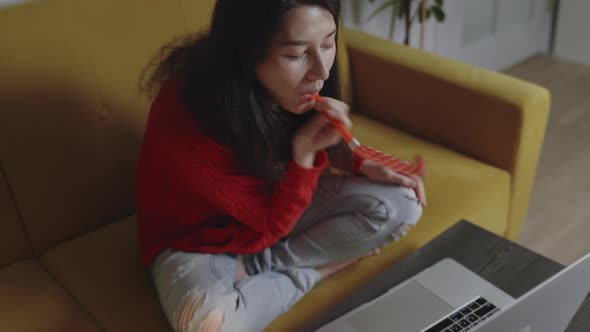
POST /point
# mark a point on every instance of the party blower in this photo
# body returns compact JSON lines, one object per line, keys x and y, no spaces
{"x":397,"y":165}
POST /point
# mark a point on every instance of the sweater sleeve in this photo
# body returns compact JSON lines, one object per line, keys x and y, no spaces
{"x":241,"y":196}
{"x":207,"y":174}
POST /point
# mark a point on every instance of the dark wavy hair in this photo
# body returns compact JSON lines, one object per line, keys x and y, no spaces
{"x":219,"y":85}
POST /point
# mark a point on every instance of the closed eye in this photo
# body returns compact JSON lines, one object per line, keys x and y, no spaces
{"x":293,"y":57}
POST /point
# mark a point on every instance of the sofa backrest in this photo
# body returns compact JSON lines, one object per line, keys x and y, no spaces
{"x":71,"y":115}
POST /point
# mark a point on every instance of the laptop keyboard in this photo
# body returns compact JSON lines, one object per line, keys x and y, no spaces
{"x":466,"y":318}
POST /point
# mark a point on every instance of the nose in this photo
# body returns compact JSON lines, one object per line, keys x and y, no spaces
{"x":318,"y":70}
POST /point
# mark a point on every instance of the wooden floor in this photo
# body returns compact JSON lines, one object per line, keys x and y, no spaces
{"x":558,"y":222}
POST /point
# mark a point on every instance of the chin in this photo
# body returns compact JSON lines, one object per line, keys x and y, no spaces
{"x":292,"y":109}
{"x":299,"y":112}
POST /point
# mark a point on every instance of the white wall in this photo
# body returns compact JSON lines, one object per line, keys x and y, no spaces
{"x":355,"y":13}
{"x":514,"y":31}
{"x":492,"y":34}
{"x":572,"y":40}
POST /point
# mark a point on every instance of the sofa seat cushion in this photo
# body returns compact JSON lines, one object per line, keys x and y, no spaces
{"x":31,"y":300}
{"x":103,"y":270}
{"x":457,"y":187}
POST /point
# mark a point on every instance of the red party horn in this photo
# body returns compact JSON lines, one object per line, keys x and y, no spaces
{"x":396,"y":164}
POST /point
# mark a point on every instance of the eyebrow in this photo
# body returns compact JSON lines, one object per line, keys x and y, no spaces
{"x":303,"y":42}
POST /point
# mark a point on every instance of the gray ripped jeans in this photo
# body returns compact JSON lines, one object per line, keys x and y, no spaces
{"x":348,"y":217}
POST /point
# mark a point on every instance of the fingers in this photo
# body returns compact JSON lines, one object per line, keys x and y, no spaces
{"x":319,"y":124}
{"x":373,"y":252}
{"x":340,"y":117}
{"x":420,"y":192}
{"x":331,"y":103}
{"x":320,"y":133}
{"x":400,"y":179}
{"x":328,"y":136}
{"x":335,"y":109}
{"x":415,"y":182}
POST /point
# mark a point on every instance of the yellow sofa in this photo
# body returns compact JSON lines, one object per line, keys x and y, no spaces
{"x":71,"y":125}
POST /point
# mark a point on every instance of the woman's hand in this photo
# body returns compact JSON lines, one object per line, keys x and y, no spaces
{"x":319,"y":133}
{"x":381,"y":173}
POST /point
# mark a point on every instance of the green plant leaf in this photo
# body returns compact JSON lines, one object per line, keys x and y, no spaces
{"x":381,"y":8}
{"x":439,"y":3}
{"x":438,"y":13}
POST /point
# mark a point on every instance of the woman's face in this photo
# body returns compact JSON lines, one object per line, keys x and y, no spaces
{"x":299,"y":57}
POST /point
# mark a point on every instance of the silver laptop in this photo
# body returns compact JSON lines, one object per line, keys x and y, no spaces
{"x":448,"y":297}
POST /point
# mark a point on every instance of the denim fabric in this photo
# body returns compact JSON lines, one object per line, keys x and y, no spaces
{"x":348,"y":217}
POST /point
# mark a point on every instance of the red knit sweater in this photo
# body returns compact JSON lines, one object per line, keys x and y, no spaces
{"x":192,"y":197}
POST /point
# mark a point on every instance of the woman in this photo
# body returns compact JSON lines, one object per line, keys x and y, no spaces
{"x":237,"y":219}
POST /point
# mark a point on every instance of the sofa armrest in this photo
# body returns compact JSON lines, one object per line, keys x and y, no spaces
{"x":483,"y":114}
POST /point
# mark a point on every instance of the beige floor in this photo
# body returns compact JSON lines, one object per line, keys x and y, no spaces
{"x":558,"y":222}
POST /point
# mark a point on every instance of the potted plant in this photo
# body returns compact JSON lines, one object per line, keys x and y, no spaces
{"x":403,"y":9}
